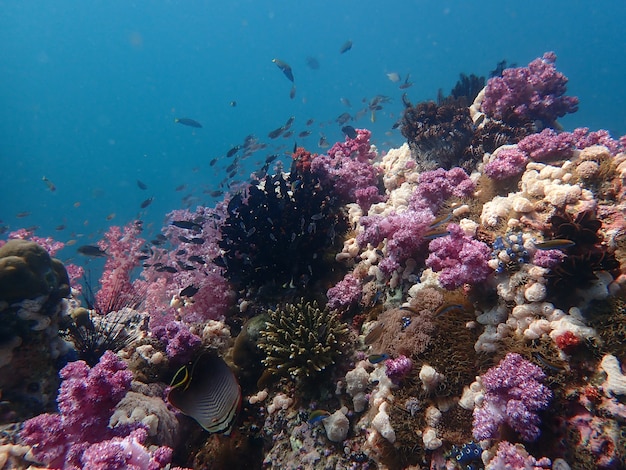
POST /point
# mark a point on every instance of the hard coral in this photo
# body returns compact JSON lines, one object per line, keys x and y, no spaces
{"x":301,"y":340}
{"x":535,"y":92}
{"x":27,"y":271}
{"x":438,"y":135}
{"x":513,"y":395}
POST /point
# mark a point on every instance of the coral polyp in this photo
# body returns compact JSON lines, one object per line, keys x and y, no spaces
{"x":301,"y":340}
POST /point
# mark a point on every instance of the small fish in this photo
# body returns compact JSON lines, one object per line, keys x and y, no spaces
{"x":345,"y":102}
{"x":197,"y":259}
{"x":275,"y":133}
{"x":406,"y":83}
{"x":304,"y":134}
{"x":436,"y":233}
{"x":323,"y":142}
{"x":555,"y":244}
{"x":446,"y":308}
{"x":213,"y":162}
{"x":232,"y":104}
{"x":285,"y":67}
{"x":58,"y":228}
{"x":343,"y":118}
{"x":312,"y":63}
{"x":188,"y":122}
{"x":375,"y":333}
{"x":216,"y":193}
{"x":146,"y":203}
{"x":349,"y":131}
{"x":377,"y":358}
{"x":187,"y":225}
{"x":287,"y":134}
{"x":233,"y":151}
{"x":393,"y":76}
{"x":196,"y":241}
{"x":189,"y":291}
{"x":181,"y":187}
{"x":169,"y":269}
{"x":49,"y":183}
{"x":289,"y":122}
{"x":93,"y":251}
{"x":317,"y":416}
{"x":111,"y":216}
{"x":442,"y":219}
{"x":271,"y":158}
{"x":183,"y":239}
{"x":142,"y":185}
{"x":309,"y":121}
{"x":405,"y":100}
{"x":292,"y":92}
{"x":346,"y":47}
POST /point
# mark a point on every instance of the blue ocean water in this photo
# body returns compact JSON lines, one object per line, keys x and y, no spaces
{"x":90,"y":90}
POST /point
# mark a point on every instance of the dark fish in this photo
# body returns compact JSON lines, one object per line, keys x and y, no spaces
{"x":183,"y":239}
{"x":349,"y":131}
{"x":285,"y":67}
{"x":233,"y":104}
{"x":233,"y":151}
{"x":181,"y":252}
{"x":185,"y":267}
{"x":197,"y":259}
{"x":555,"y":244}
{"x":292,"y":92}
{"x":58,"y":228}
{"x":141,"y":185}
{"x":323,"y":143}
{"x":146,"y":203}
{"x":446,"y":308}
{"x":309,"y":121}
{"x":91,"y":250}
{"x":442,"y":219}
{"x":271,"y":158}
{"x":213,"y":162}
{"x":187,"y":225}
{"x":197,"y":241}
{"x":346,"y":47}
{"x":406,"y":83}
{"x":188,"y":122}
{"x":343,"y":118}
{"x":289,"y":122}
{"x":189,"y":291}
{"x":208,"y":392}
{"x":313,"y":63}
{"x":21,"y":215}
{"x":376,"y":358}
{"x":405,"y":100}
{"x":436,"y":233}
{"x":287,"y":134}
{"x":168,"y":269}
{"x":217,"y":193}
{"x":275,"y":133}
{"x":49,"y":183}
{"x":304,"y":134}
{"x":180,"y":187}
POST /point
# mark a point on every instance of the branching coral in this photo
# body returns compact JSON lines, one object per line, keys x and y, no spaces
{"x":301,"y":340}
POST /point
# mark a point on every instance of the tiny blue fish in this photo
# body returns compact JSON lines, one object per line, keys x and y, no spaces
{"x":317,"y":416}
{"x":376,"y":358}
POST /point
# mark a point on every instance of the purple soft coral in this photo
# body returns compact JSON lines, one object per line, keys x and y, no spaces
{"x":534,"y":92}
{"x":345,"y":293}
{"x":87,"y":399}
{"x":348,"y":170}
{"x":180,"y":342}
{"x":459,"y":259}
{"x":438,"y":185}
{"x":513,"y":395}
{"x":507,"y":162}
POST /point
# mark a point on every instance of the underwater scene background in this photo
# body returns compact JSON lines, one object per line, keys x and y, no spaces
{"x":347,"y":235}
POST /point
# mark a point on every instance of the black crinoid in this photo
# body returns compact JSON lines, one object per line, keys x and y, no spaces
{"x":493,"y":134}
{"x":438,"y":134}
{"x":93,"y":331}
{"x":587,"y":256}
{"x":281,"y":233}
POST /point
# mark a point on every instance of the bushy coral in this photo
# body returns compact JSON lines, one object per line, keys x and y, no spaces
{"x":345,"y":293}
{"x":180,"y":343}
{"x":514,"y":394}
{"x":535,"y":92}
{"x":506,"y":163}
{"x":301,"y":340}
{"x":87,"y":399}
{"x":515,"y":457}
{"x":547,"y":145}
{"x":347,"y":170}
{"x":459,"y":259}
{"x":437,"y":186}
